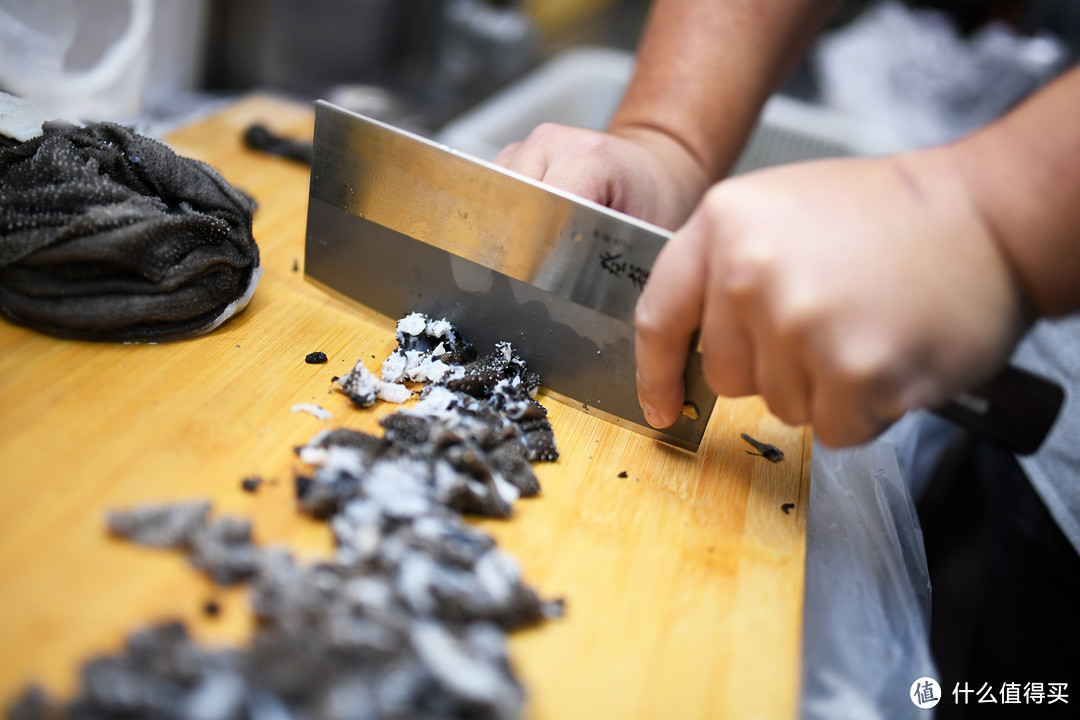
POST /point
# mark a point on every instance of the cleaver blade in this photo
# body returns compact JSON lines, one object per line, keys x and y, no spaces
{"x":401,"y":224}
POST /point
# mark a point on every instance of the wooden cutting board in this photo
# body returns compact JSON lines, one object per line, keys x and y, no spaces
{"x":683,"y":580}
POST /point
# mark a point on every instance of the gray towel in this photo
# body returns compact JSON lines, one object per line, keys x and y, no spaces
{"x":106,"y":234}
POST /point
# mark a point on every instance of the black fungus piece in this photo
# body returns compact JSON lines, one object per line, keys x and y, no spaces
{"x":458,"y":350}
{"x":623,"y":474}
{"x":767,"y":451}
{"x":148,"y":679}
{"x":511,"y":461}
{"x":369,"y":446}
{"x":322,"y":499}
{"x":293,"y":666}
{"x":459,"y":598}
{"x":33,"y":703}
{"x":315,"y":358}
{"x":303,"y":486}
{"x":407,"y":429}
{"x":471,"y":671}
{"x":787,"y":507}
{"x":512,"y":398}
{"x":211,"y":608}
{"x":164,"y":526}
{"x":167,"y":651}
{"x":223,"y":550}
{"x":361,"y":388}
{"x":480,"y":495}
{"x":449,"y":541}
{"x":159,"y":674}
{"x":259,"y":137}
{"x":251,"y":484}
{"x":539,"y":440}
{"x":481,"y":376}
{"x":511,"y":401}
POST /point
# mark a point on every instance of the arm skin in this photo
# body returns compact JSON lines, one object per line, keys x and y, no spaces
{"x":1024,"y":176}
{"x":849,"y":291}
{"x":704,"y":70}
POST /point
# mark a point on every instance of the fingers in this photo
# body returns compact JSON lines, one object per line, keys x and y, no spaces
{"x":516,"y":157}
{"x":710,"y":277}
{"x":747,"y":346}
{"x":665,"y":321}
{"x":831,"y":289}
{"x":843,"y":416}
{"x":571,"y":159}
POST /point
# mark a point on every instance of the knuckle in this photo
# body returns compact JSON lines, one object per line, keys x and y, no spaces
{"x":839,"y":422}
{"x":727,"y":374}
{"x":647,"y":320}
{"x":785,"y":409}
{"x":545,"y":130}
{"x":867,"y":395}
{"x":581,"y":141}
{"x":860,"y":361}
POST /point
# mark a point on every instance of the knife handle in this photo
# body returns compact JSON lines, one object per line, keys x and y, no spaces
{"x":1015,"y":409}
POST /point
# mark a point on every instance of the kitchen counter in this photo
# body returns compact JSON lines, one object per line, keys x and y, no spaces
{"x":683,"y":580}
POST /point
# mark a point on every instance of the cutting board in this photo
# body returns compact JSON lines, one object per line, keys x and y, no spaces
{"x":682,"y":574}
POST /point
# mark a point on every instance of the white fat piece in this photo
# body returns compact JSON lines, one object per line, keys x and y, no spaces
{"x":413,"y":324}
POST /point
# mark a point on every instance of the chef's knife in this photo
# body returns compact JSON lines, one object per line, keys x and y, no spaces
{"x":400,"y":224}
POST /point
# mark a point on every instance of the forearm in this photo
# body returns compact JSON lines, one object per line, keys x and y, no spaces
{"x":1023,"y":174}
{"x":706,"y":67}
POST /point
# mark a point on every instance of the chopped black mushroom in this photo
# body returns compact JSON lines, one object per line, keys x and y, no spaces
{"x":767,"y":451}
{"x":259,"y":137}
{"x":408,"y":618}
{"x":164,"y":526}
{"x":315,"y":358}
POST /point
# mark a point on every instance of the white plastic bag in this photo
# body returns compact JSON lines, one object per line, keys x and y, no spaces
{"x":867,"y":602}
{"x":35,"y":38}
{"x":910,"y":70}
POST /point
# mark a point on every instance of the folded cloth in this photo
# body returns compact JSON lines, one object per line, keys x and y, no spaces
{"x":106,"y":234}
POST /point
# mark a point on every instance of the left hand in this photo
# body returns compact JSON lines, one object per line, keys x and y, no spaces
{"x":638,"y":171}
{"x":843,"y":291}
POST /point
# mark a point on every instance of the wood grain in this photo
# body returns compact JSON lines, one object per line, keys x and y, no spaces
{"x":683,"y":580}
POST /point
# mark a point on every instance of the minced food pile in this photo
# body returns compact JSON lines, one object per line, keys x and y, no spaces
{"x":409,"y":618}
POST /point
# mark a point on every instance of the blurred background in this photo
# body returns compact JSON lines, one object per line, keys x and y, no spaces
{"x":427,"y":64}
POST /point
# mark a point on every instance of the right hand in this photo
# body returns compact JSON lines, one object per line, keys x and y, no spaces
{"x":638,"y":171}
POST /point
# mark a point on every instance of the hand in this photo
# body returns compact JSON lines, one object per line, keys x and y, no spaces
{"x":845,"y":292}
{"x":637,"y":171}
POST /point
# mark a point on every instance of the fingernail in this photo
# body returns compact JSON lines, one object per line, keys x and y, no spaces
{"x":650,"y":414}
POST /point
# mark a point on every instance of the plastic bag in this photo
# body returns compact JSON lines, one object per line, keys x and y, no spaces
{"x":867,"y":602}
{"x":912,"y":72}
{"x":35,"y":38}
